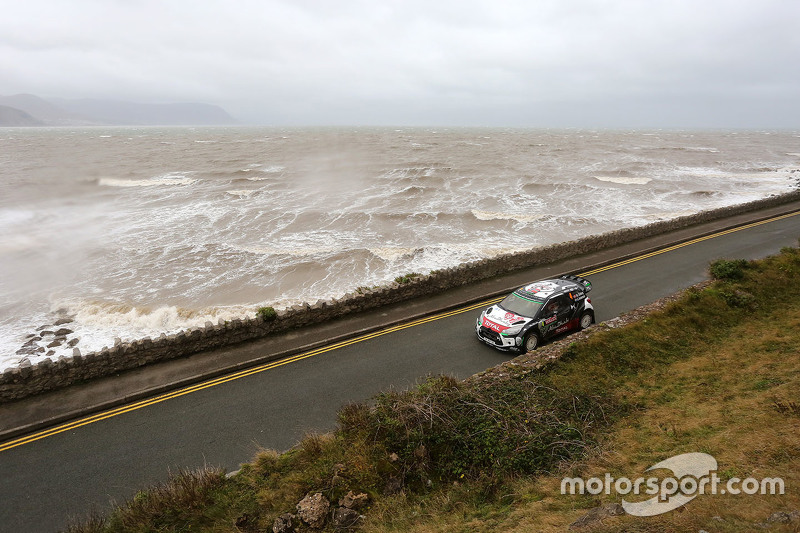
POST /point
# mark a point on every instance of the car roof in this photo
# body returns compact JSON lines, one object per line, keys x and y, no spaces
{"x":544,"y":289}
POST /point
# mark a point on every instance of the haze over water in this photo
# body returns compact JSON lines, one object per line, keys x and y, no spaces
{"x":132,"y":232}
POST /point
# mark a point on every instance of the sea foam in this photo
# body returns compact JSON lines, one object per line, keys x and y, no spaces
{"x":167,"y":180}
{"x":624,"y":181}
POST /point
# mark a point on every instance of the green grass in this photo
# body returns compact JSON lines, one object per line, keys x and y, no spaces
{"x":717,"y":371}
{"x":402,"y":280}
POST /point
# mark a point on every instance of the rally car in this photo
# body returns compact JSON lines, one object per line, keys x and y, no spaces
{"x":536,"y":312}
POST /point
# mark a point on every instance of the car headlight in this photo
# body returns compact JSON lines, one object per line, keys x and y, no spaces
{"x":513,"y":330}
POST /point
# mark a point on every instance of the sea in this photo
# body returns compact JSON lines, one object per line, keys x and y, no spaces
{"x":128,"y":232}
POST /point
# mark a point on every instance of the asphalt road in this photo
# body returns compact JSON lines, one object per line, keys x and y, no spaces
{"x":46,"y":482}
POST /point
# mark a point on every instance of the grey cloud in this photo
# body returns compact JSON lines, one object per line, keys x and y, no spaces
{"x":545,"y":63}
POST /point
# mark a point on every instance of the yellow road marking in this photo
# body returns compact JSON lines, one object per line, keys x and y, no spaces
{"x":311,"y":353}
{"x":230,"y":377}
{"x":687,"y":243}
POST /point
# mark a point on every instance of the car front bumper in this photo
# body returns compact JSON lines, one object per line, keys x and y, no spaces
{"x":495,"y":340}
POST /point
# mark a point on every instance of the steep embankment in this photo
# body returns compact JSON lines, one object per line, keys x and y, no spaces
{"x":714,"y":370}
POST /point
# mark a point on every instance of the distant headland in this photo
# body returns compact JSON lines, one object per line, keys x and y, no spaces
{"x":31,"y":110}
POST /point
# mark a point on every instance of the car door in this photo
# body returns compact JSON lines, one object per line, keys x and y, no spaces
{"x":565,"y":308}
{"x":550,"y":317}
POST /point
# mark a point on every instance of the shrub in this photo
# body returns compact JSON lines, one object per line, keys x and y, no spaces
{"x":267,"y":314}
{"x":446,"y":429}
{"x":727,"y":269}
{"x":407,"y":278}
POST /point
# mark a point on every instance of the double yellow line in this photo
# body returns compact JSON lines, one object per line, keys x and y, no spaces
{"x":311,"y":353}
{"x":231,"y":377}
{"x":687,"y":243}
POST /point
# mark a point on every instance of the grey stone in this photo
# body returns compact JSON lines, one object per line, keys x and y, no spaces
{"x":354,"y":501}
{"x":73,"y":342}
{"x":313,"y":510}
{"x":784,"y":517}
{"x":63,"y":332}
{"x":62,"y":321}
{"x":344,"y":517}
{"x":284,"y":523}
{"x":598,"y":514}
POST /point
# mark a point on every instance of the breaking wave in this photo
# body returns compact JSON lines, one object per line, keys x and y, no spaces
{"x":161,"y":181}
{"x":623,"y":180}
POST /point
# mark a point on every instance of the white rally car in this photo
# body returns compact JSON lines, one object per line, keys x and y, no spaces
{"x":536,"y":312}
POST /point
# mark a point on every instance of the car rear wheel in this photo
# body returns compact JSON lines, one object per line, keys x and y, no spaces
{"x":530,"y":343}
{"x":586,"y":320}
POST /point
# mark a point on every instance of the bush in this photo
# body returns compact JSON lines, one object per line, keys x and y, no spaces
{"x":446,"y":429}
{"x":267,"y":314}
{"x":739,"y":298}
{"x":727,"y":269}
{"x":407,"y":278}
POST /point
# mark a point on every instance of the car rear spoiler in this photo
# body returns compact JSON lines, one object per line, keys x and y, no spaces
{"x":587,"y":285}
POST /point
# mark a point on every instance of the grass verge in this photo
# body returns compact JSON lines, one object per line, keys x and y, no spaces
{"x":718,"y":371}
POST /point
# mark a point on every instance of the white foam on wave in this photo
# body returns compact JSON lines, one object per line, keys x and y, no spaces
{"x":495,"y":215}
{"x":793,"y":154}
{"x":98,"y":323}
{"x":624,"y":181}
{"x":411,"y":172}
{"x":392,"y":253}
{"x":273,"y":169}
{"x":293,"y":252}
{"x":241,"y":193}
{"x":160,"y":181}
{"x":165,"y":318}
{"x":701,"y":149}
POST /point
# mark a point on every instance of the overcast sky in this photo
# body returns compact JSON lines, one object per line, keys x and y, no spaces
{"x":556,"y":63}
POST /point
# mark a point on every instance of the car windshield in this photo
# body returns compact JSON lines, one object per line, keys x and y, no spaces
{"x":521,"y":305}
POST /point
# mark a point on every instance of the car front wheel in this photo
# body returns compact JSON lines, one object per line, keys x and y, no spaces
{"x":586,"y":320}
{"x":530,"y":343}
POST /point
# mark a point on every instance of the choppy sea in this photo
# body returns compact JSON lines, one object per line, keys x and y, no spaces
{"x":133,"y":232}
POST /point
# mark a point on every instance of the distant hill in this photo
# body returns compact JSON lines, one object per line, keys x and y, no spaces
{"x":117,"y":112}
{"x":45,"y":112}
{"x":66,"y":112}
{"x":11,"y":116}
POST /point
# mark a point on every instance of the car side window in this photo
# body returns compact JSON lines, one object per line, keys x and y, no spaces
{"x":562,"y":303}
{"x":551,"y":308}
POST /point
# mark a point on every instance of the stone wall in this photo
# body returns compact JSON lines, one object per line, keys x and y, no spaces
{"x":27,"y":380}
